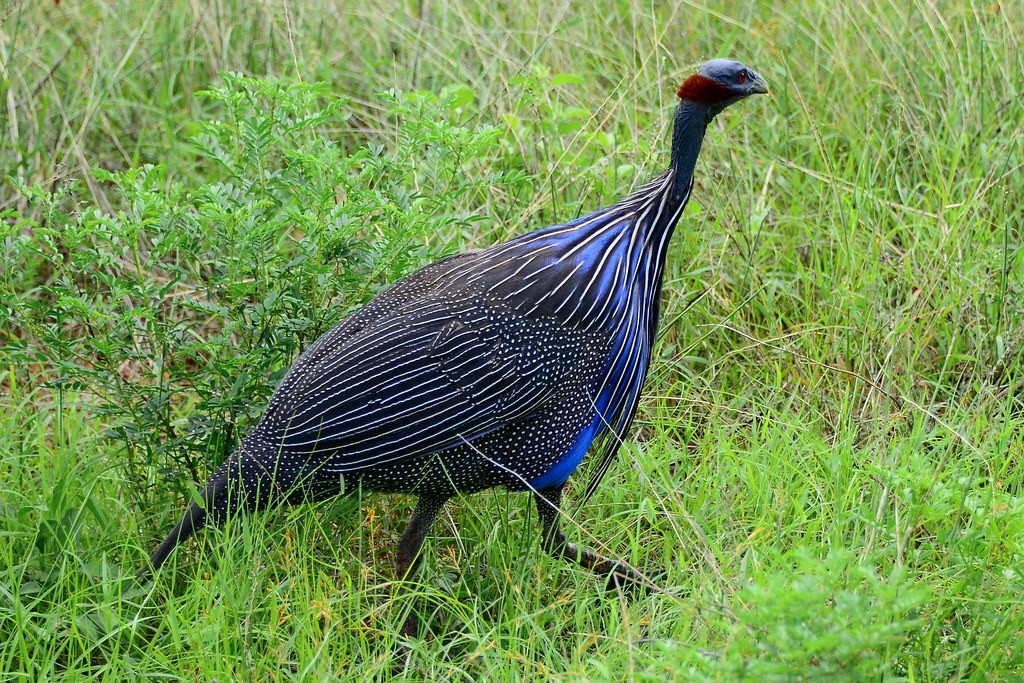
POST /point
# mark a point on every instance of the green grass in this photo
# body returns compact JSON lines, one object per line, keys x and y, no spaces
{"x":827,"y":464}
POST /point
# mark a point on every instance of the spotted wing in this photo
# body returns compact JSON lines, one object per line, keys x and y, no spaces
{"x":417,"y":381}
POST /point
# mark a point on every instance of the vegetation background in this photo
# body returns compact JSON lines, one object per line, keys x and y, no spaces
{"x":827,"y":464}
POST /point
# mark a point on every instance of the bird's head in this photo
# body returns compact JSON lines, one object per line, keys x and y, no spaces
{"x":719,"y":83}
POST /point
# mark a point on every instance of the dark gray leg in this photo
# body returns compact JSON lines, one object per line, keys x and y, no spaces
{"x":407,"y":558}
{"x":553,"y":541}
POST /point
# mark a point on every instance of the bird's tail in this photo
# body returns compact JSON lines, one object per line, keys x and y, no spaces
{"x":194,"y":520}
{"x":224,"y":495}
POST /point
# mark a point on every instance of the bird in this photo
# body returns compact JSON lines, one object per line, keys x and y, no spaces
{"x":498,"y":367}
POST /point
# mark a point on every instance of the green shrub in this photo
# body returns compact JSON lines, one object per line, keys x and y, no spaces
{"x":181,"y":309}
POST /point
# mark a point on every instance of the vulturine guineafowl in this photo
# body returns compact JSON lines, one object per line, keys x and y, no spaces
{"x":499,"y":367}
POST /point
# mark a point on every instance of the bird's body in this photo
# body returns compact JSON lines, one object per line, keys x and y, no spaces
{"x":498,"y":367}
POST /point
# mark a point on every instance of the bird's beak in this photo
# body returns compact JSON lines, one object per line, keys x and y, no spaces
{"x":758,"y":86}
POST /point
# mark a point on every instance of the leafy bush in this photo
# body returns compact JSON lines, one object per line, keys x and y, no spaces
{"x":182,"y":308}
{"x":832,"y":618}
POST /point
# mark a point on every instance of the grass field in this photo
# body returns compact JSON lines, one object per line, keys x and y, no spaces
{"x":827,"y":464}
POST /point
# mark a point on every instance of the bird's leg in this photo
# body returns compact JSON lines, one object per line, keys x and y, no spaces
{"x":407,"y":558}
{"x":553,"y":541}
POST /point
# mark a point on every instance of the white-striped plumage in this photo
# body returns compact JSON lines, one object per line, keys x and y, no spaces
{"x":557,"y":323}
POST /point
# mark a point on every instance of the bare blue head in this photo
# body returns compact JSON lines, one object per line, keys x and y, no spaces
{"x":716,"y":85}
{"x":719,"y":83}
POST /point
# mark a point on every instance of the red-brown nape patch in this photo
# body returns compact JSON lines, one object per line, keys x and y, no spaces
{"x":704,"y":90}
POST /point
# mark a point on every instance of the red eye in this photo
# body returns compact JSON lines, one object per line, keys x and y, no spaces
{"x":742,"y":77}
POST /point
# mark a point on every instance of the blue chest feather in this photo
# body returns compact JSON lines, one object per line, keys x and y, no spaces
{"x":602,"y":272}
{"x":619,"y":394}
{"x":618,"y":268}
{"x":557,"y":475}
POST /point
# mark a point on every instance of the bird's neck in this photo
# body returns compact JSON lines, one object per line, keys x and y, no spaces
{"x":691,"y":122}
